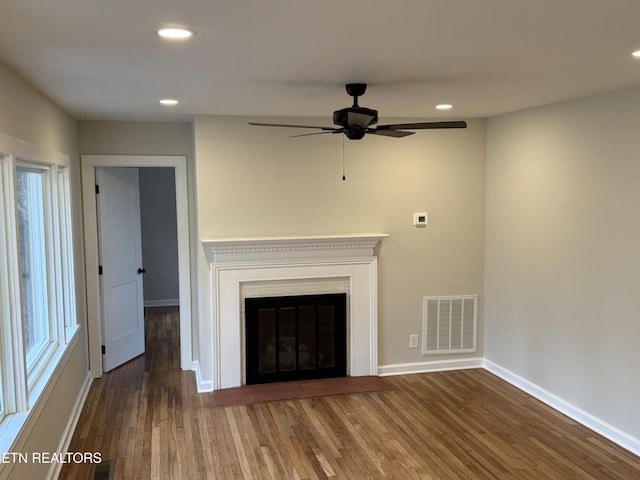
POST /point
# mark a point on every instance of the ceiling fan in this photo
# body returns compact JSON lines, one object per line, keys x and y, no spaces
{"x":356,"y":121}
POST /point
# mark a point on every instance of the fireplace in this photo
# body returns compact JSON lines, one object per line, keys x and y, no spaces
{"x":296,"y":337}
{"x":242,"y":268}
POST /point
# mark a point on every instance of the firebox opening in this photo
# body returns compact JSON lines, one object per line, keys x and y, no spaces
{"x":295,"y":337}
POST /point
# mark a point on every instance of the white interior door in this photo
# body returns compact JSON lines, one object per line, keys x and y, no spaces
{"x":120,"y":248}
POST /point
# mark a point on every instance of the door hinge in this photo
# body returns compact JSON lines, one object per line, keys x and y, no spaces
{"x":97,"y":189}
{"x":104,"y":349}
{"x":99,"y":269}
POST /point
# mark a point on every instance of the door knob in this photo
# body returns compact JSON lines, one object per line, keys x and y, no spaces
{"x":141,"y":270}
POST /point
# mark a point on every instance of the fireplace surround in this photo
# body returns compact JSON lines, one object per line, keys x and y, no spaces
{"x":289,"y":265}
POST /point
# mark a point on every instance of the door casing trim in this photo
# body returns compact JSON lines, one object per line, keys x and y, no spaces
{"x":88,"y":165}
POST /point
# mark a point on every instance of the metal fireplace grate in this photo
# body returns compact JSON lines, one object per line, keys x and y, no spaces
{"x":295,"y":337}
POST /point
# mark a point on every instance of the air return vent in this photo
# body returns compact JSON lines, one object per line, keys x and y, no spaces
{"x":449,"y":324}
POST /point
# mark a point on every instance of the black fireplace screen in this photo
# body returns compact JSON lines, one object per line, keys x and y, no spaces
{"x":295,"y":337}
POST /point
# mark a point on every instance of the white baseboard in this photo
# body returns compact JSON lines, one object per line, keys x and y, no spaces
{"x":67,"y":435}
{"x":430,"y":366}
{"x":168,"y":302}
{"x":585,"y":418}
{"x":201,"y":385}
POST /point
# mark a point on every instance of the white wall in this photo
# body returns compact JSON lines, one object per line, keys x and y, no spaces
{"x":159,"y":236}
{"x":562,"y":262}
{"x":255,"y":181}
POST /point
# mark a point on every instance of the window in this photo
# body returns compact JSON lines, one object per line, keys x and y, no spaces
{"x":4,"y":302}
{"x":32,"y":224}
{"x":37,"y":285}
{"x":66,"y":253}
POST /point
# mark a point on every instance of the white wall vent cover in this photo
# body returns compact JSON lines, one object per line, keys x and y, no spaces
{"x":449,"y":324}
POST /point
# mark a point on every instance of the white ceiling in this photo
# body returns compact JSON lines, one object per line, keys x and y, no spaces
{"x":102,"y":59}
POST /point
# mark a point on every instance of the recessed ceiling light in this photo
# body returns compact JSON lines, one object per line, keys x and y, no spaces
{"x":444,"y":106}
{"x":636,"y":54}
{"x":175,"y":33}
{"x":169,"y":101}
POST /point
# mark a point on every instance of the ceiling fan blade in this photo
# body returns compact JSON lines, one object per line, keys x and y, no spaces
{"x":359,"y":119}
{"x":389,"y":133}
{"x":337,"y":130}
{"x":423,"y":125}
{"x":260,"y":124}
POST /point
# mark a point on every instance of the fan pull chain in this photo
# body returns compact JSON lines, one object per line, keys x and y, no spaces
{"x":344,"y":177}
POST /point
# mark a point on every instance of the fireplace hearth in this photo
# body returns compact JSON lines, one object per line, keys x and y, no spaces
{"x":296,"y":337}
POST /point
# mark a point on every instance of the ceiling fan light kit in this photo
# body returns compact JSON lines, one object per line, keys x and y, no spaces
{"x":356,"y":121}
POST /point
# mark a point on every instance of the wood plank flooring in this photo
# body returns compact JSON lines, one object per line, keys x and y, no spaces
{"x":451,"y":425}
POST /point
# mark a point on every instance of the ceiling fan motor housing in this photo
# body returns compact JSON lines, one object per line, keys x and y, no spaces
{"x":341,"y":117}
{"x":354,"y":133}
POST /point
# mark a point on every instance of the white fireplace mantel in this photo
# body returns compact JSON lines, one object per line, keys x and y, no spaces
{"x":235,"y":262}
{"x":251,"y":249}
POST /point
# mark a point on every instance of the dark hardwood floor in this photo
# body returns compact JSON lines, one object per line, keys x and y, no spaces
{"x":451,"y":425}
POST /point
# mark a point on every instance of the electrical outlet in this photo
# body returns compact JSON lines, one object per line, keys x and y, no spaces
{"x":413,"y":341}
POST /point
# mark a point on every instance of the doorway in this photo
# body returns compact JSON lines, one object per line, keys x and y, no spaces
{"x":89,"y":165}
